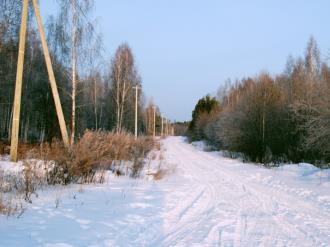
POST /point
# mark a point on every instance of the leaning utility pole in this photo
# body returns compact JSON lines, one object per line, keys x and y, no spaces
{"x":18,"y":87}
{"x":19,"y":76}
{"x":51,"y":76}
{"x":136,"y":108}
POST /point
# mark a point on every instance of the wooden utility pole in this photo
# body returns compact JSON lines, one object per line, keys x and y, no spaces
{"x":165,"y":127}
{"x":18,"y":87}
{"x":52,"y":80}
{"x":162,"y":131}
{"x":95,"y":104}
{"x":19,"y":77}
{"x":154,"y":129}
{"x":136,"y":109}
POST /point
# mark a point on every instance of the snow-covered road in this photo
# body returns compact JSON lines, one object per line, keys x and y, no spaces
{"x":222,"y":202}
{"x":204,"y":200}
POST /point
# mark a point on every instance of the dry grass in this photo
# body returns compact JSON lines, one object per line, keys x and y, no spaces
{"x":23,"y":148}
{"x":158,"y":146}
{"x":159,"y":174}
{"x":94,"y":153}
{"x":11,"y":193}
{"x":99,"y":151}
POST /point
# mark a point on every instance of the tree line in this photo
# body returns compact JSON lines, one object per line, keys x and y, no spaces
{"x":96,"y":92}
{"x":278,"y":118}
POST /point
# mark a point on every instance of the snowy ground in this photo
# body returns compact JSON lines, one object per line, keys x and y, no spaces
{"x":203,"y":200}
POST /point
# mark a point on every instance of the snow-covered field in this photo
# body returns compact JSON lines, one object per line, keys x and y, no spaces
{"x":204,"y":199}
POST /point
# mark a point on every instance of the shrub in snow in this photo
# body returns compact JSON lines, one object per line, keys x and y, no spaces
{"x":94,"y":153}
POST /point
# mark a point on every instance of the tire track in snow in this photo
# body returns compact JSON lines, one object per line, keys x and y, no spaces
{"x":227,"y":209}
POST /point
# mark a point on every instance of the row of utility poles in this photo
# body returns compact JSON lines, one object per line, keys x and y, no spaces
{"x":166,"y":127}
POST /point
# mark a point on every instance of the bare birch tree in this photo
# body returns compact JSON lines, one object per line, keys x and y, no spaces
{"x":123,"y":77}
{"x":75,"y":33}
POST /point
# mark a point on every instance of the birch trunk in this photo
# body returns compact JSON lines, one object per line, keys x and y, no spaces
{"x":74,"y":70}
{"x":118,"y":70}
{"x":95,"y":105}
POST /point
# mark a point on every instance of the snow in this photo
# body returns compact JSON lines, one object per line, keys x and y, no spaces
{"x":204,"y":199}
{"x":10,"y":167}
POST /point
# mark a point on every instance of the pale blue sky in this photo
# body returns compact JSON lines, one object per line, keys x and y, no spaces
{"x":185,"y":49}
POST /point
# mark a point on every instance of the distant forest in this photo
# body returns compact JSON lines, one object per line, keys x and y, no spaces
{"x":278,"y":118}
